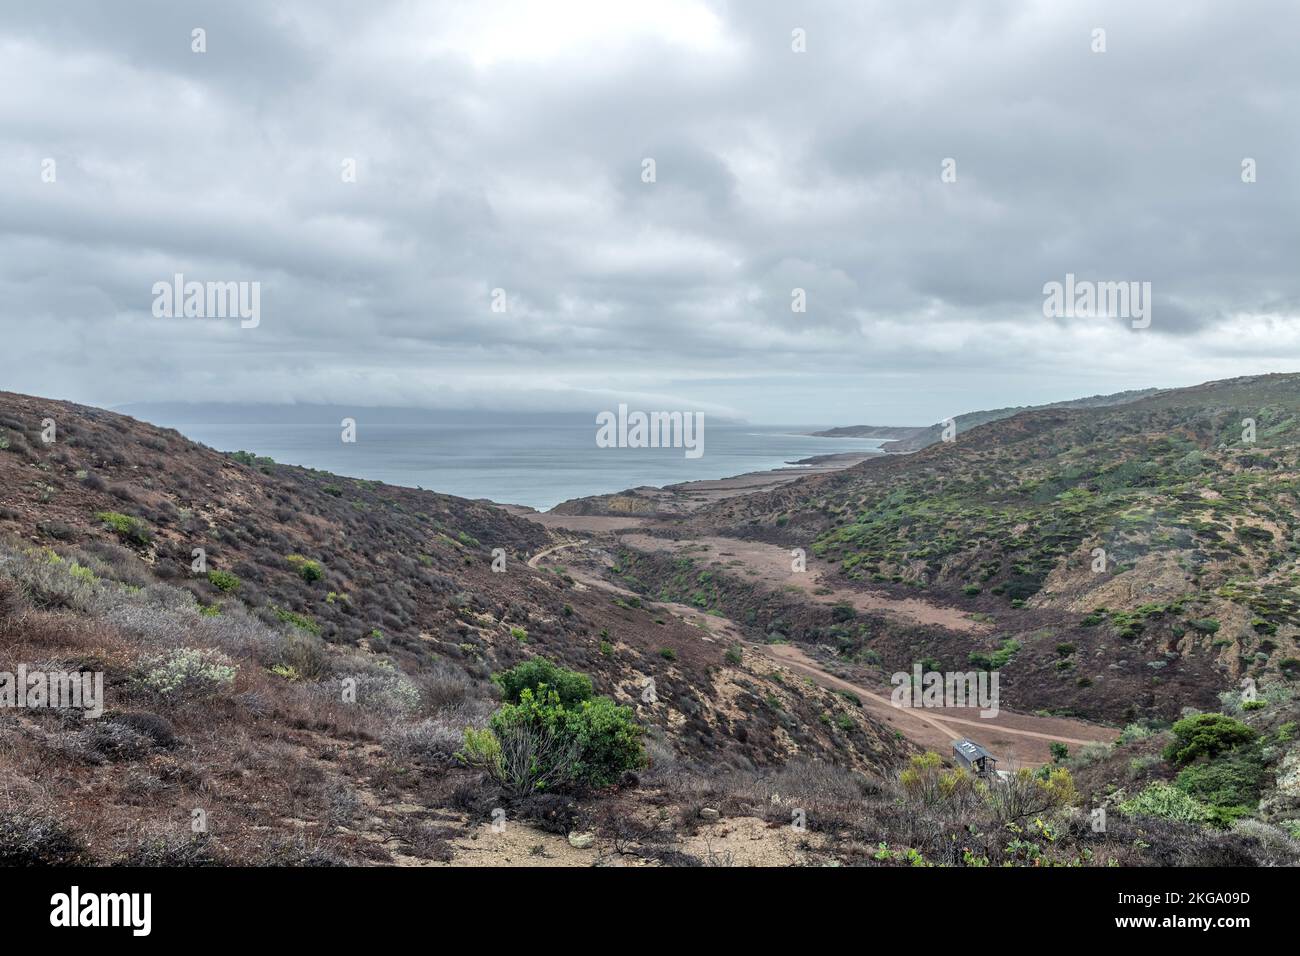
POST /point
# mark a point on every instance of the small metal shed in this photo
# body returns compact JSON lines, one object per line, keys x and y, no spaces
{"x":974,"y":757}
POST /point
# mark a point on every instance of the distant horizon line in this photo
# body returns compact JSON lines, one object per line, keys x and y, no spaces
{"x":204,"y":411}
{"x":241,"y":413}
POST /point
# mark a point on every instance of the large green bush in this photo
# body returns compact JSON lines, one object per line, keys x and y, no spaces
{"x":609,"y":741}
{"x":590,"y":743}
{"x":551,"y":733}
{"x":538,"y":672}
{"x":1206,"y":735}
{"x":1230,"y":785}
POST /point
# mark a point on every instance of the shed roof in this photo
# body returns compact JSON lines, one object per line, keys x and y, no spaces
{"x":971,"y":750}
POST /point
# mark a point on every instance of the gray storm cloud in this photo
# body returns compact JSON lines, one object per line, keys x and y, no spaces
{"x":500,"y":146}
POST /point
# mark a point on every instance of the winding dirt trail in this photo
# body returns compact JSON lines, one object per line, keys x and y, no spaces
{"x":1009,"y":734}
{"x":1016,"y":739}
{"x":537,"y":558}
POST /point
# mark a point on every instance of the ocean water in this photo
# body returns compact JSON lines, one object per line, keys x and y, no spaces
{"x":531,"y":465}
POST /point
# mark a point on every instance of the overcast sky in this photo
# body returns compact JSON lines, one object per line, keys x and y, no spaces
{"x":501,"y":145}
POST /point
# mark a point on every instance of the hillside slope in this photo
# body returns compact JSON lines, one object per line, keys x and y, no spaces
{"x":904,"y":439}
{"x":1195,"y":524}
{"x":227,"y":683}
{"x":304,"y":701}
{"x":1135,"y":565}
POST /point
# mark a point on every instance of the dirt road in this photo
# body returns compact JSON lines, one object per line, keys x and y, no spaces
{"x":1015,"y":739}
{"x":1018,"y":740}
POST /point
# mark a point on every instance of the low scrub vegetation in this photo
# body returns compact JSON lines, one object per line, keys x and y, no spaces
{"x":128,"y":528}
{"x":187,"y":672}
{"x":302,"y":700}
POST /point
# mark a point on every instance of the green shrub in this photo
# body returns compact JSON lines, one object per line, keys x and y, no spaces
{"x":519,"y":634}
{"x":984,"y":661}
{"x":539,"y":744}
{"x":261,"y":462}
{"x":482,"y":749}
{"x":1002,"y":656}
{"x":733,"y":656}
{"x":538,"y":672}
{"x":1206,"y":735}
{"x":310,"y":571}
{"x":667,"y":653}
{"x":527,"y":747}
{"x":1167,"y":802}
{"x":1229,"y":786}
{"x":609,"y":741}
{"x":129,"y":529}
{"x":551,"y":733}
{"x":223,"y":581}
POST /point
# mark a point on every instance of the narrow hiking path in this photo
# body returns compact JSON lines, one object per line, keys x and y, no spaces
{"x":536,"y":559}
{"x":712,"y":627}
{"x":1016,"y":739}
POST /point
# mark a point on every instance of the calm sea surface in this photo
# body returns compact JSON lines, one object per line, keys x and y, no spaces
{"x":526,"y":465}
